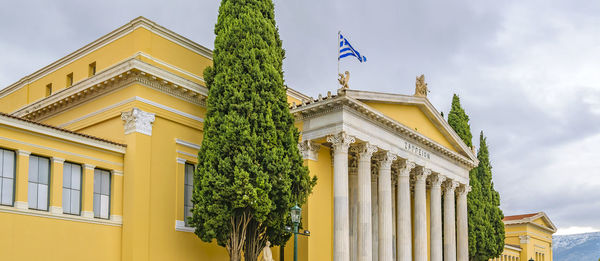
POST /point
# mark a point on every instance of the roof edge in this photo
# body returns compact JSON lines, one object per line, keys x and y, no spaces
{"x":63,"y":134}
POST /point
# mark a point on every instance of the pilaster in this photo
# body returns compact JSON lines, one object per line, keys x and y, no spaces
{"x":137,"y":165}
{"x":22,"y":176}
{"x":56,"y":184}
{"x":87,"y":192}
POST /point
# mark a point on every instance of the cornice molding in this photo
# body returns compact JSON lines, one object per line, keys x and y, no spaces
{"x":60,"y":134}
{"x":118,"y":76}
{"x":311,"y":108}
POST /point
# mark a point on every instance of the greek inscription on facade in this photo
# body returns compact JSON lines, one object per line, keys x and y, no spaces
{"x":416,"y":150}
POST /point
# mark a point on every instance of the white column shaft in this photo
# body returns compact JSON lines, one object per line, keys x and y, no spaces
{"x":341,"y":143}
{"x":420,"y":213}
{"x":385,"y":208}
{"x":449,"y":222}
{"x":436,"y":218}
{"x":403,"y":222}
{"x":462,"y":235}
{"x":365,"y":237}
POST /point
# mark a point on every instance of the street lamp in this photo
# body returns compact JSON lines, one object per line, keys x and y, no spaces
{"x":296,"y":214}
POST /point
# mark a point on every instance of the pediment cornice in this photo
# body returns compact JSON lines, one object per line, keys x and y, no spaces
{"x":311,"y":108}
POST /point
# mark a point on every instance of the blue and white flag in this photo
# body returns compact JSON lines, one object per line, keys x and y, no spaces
{"x":347,"y":50}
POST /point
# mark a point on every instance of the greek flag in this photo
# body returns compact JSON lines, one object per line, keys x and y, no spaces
{"x":347,"y":50}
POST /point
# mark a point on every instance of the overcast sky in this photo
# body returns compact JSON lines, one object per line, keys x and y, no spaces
{"x":527,"y":72}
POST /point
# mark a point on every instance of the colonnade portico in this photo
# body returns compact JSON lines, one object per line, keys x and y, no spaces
{"x":411,"y":229}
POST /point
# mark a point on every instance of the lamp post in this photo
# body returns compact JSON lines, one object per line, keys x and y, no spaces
{"x":296,"y":214}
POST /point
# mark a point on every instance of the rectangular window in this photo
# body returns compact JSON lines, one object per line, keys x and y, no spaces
{"x":92,"y":69}
{"x":7,"y":177}
{"x":188,"y":189}
{"x":101,"y":193}
{"x":39,"y":179}
{"x":71,"y":196}
{"x":69,"y":79}
{"x":48,"y":89}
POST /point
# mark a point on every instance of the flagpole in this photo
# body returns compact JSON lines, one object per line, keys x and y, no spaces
{"x":338,"y":51}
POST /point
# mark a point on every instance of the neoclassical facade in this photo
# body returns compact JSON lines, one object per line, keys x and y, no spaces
{"x":394,"y":161}
{"x":97,"y":153}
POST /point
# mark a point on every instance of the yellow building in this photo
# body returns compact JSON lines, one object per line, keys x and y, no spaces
{"x":97,"y":151}
{"x":528,"y":236}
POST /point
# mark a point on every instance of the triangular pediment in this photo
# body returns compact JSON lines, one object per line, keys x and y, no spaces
{"x":418,"y":114}
{"x":542,"y":220}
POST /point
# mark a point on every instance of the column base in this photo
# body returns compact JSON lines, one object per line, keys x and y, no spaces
{"x":87,"y":214}
{"x":56,"y":210}
{"x":21,"y":205}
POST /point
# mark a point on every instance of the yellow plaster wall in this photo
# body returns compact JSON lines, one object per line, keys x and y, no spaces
{"x":414,"y":118}
{"x":37,"y":238}
{"x":33,"y":235}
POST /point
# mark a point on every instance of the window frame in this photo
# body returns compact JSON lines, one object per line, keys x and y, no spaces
{"x":14,"y":176}
{"x":109,"y":194}
{"x":185,"y":196}
{"x":81,"y":171}
{"x":38,"y":183}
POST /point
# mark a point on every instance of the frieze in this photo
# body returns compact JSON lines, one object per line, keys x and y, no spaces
{"x":416,"y":150}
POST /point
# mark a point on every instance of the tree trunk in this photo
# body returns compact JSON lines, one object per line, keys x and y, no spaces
{"x":237,"y":236}
{"x":255,"y":241}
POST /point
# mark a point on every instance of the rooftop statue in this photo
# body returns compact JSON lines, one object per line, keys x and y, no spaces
{"x":421,"y":87}
{"x":344,"y":79}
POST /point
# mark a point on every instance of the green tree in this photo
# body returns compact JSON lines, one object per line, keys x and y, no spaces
{"x":491,"y":231}
{"x":486,"y":229}
{"x":458,"y":119}
{"x":250,"y":172}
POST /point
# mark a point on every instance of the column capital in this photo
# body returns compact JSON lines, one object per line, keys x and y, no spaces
{"x":89,"y":166}
{"x":386,"y":159}
{"x":437,"y":180}
{"x":364,"y":150}
{"x":341,"y":141}
{"x":406,"y":167}
{"x":422,"y":173}
{"x":463,"y":189}
{"x":58,"y":160}
{"x":24,"y":153}
{"x":450,"y":186}
{"x":137,"y":120}
{"x":309,"y":149}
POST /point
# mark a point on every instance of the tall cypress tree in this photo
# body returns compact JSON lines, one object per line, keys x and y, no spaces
{"x":486,"y":229}
{"x":459,"y":121}
{"x":250,"y":172}
{"x":492,"y":244}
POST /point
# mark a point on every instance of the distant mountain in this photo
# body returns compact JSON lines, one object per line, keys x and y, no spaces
{"x":577,"y":247}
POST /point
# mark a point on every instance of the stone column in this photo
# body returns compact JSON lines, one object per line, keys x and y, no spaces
{"x":353,"y":201}
{"x":340,"y":143}
{"x":462,"y":227}
{"x":436,"y":217}
{"x":365,"y":240}
{"x":385,"y":207}
{"x":449,"y":223}
{"x":420,"y":214}
{"x":403,"y":226}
